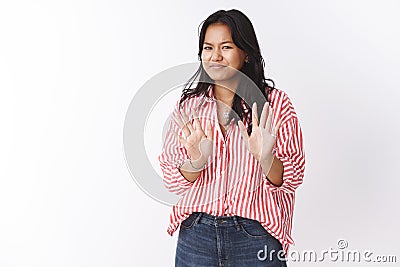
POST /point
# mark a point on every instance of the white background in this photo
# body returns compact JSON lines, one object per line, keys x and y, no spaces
{"x":68,"y":71}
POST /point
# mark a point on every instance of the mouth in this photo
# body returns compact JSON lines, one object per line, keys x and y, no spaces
{"x":216,"y":66}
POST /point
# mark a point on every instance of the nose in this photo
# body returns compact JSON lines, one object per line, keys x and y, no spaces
{"x":216,"y":55}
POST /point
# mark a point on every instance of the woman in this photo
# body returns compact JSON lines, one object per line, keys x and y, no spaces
{"x":234,"y":153}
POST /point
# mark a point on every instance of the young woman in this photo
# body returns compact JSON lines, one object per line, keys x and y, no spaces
{"x":234,"y":152}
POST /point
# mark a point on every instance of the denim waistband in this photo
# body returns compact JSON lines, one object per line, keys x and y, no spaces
{"x":206,"y":218}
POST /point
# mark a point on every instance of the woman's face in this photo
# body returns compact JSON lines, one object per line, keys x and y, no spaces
{"x":221,"y":58}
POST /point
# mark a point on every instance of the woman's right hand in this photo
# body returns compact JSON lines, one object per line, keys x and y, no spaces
{"x":198,"y":144}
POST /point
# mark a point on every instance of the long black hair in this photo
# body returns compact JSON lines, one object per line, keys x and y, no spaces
{"x":244,"y":37}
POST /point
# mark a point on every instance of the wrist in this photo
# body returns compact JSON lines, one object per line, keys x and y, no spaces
{"x":266,"y":164}
{"x":198,"y":163}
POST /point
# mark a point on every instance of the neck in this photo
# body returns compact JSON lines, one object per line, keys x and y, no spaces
{"x":225,"y":92}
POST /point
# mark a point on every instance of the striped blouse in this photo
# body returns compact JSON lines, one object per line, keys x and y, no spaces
{"x":233,"y":182}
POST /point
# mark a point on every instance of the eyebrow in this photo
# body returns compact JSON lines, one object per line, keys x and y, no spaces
{"x":224,"y":42}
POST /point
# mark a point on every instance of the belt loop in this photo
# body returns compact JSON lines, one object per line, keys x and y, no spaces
{"x":235,"y":220}
{"x":198,"y":218}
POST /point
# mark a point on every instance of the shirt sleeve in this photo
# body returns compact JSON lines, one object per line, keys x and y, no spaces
{"x":172,"y":157}
{"x":290,"y":151}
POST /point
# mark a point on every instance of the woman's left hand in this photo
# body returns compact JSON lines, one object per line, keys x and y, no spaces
{"x":263,"y":137}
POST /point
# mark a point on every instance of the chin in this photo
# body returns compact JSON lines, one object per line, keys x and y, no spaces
{"x":221,"y":76}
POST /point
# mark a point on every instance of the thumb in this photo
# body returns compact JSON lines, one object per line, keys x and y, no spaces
{"x":206,"y":147}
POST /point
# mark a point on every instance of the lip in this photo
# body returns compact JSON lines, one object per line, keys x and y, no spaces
{"x":216,"y":66}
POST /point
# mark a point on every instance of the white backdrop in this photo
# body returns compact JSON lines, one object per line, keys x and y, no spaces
{"x":69,"y":69}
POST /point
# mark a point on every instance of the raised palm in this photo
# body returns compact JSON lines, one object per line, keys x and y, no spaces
{"x":197,"y":143}
{"x":263,"y":136}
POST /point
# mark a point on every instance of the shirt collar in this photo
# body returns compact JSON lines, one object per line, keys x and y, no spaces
{"x":211,"y":97}
{"x":210,"y":93}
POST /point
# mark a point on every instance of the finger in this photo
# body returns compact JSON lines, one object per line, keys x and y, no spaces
{"x":188,"y":123}
{"x":254,"y":115}
{"x":185,"y":121}
{"x":263,"y":117}
{"x":182,"y":140}
{"x":178,"y":119}
{"x":196,"y":122}
{"x":269,"y":119}
{"x":243,"y":132}
{"x":209,"y":129}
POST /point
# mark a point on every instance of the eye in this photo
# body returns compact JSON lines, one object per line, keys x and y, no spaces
{"x":207,"y":48}
{"x":226,"y":47}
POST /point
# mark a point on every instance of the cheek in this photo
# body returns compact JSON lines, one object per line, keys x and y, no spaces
{"x":236,"y":59}
{"x":205,"y":56}
{"x":237,"y":62}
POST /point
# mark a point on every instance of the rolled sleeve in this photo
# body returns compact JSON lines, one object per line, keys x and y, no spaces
{"x":290,"y":151}
{"x":172,"y":157}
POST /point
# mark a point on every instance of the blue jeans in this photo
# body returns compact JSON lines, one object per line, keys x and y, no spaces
{"x":209,"y":241}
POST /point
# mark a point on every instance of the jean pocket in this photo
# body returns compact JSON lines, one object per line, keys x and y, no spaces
{"x":254,"y":229}
{"x":190,"y":221}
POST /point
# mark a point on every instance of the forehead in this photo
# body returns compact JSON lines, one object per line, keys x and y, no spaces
{"x":217,"y":33}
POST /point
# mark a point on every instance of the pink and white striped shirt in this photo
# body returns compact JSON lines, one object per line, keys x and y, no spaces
{"x":233,"y":182}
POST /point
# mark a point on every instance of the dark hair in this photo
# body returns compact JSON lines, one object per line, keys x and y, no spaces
{"x":244,"y":37}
